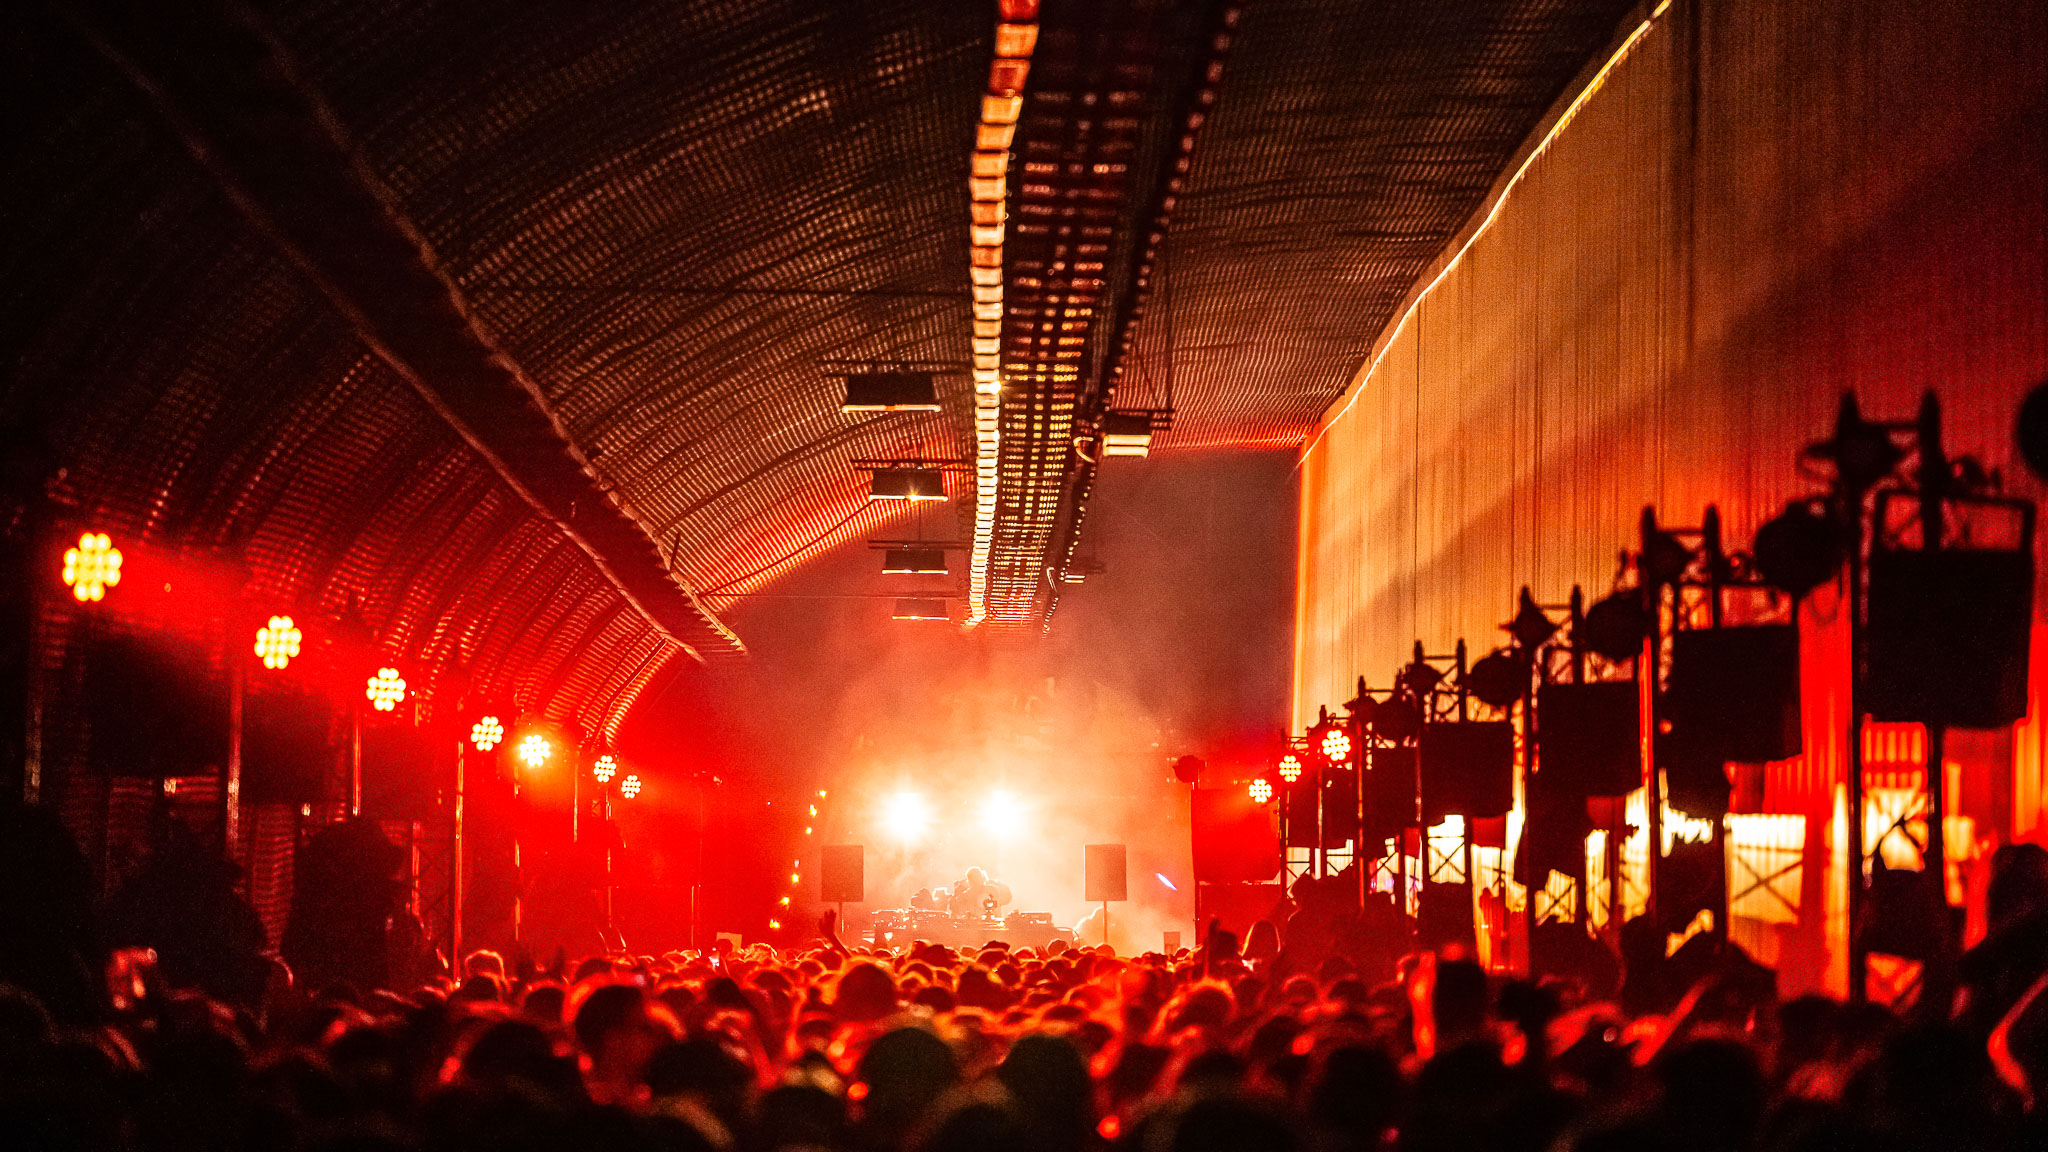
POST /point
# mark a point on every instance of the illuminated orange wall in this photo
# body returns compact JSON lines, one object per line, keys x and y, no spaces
{"x":1762,"y":205}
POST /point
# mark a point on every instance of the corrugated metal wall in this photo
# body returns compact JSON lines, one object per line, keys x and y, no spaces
{"x":1761,"y":205}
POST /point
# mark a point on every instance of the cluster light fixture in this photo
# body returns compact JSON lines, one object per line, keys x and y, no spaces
{"x":485,"y":734}
{"x":630,"y":786}
{"x":1290,"y":768}
{"x":92,"y":567}
{"x":535,"y":750}
{"x":385,"y":690}
{"x":1336,"y":745}
{"x":277,"y":642}
{"x":607,"y":766}
{"x":1261,"y":790}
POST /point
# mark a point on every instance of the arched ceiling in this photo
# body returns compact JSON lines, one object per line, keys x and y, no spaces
{"x":520,"y":323}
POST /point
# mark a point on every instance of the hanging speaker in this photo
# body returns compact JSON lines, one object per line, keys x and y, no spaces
{"x":1591,"y":738}
{"x":1735,"y":691}
{"x":288,"y":755}
{"x":842,"y":874}
{"x":1340,"y":808}
{"x":1468,"y":769}
{"x":153,"y":712}
{"x":402,"y":777}
{"x":1103,"y":872}
{"x":1946,"y":641}
{"x":1696,"y":778}
{"x":1390,"y":793}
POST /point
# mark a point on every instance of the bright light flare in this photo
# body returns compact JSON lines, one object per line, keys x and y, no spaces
{"x":92,"y":567}
{"x":486,"y":733}
{"x":534,"y":750}
{"x":386,"y":690}
{"x":1290,"y":768}
{"x":630,"y":786}
{"x":607,"y":766}
{"x":1261,"y":790}
{"x":1002,"y":815}
{"x":278,"y":641}
{"x":1170,"y":885}
{"x":906,"y":816}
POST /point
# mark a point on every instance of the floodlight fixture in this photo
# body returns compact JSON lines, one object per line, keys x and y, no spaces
{"x":607,"y":766}
{"x":1002,"y":815}
{"x":277,"y":642}
{"x":385,"y":690}
{"x":630,"y":786}
{"x":535,"y":750}
{"x":1261,"y":790}
{"x":92,"y":567}
{"x":485,"y":734}
{"x":1336,"y":744}
{"x":1290,"y":768}
{"x":906,"y":816}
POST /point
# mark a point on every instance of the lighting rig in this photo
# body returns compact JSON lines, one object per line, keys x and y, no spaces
{"x":1939,"y":585}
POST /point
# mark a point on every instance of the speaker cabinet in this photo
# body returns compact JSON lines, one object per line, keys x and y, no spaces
{"x":1590,"y":741}
{"x":1390,"y":793}
{"x":1103,"y":873}
{"x":1735,"y":691}
{"x":1468,"y":769}
{"x":1946,"y":641}
{"x":288,"y":755}
{"x":153,"y":711}
{"x":842,"y":874}
{"x":403,"y":779}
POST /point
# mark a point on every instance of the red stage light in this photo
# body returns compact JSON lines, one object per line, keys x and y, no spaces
{"x":534,"y":750}
{"x":486,"y":733}
{"x":629,"y":787}
{"x":386,"y":690}
{"x":1261,"y":790}
{"x":607,"y":767}
{"x":92,"y":567}
{"x":1337,"y":745}
{"x":1290,"y":768}
{"x":278,"y":641}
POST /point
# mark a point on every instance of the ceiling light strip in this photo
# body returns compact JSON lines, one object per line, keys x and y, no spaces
{"x":988,"y":184}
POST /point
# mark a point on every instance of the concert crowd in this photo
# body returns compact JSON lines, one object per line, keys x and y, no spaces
{"x":1264,"y":1043}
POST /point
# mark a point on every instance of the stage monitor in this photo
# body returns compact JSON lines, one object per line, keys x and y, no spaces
{"x":1103,"y":866}
{"x":842,"y":875}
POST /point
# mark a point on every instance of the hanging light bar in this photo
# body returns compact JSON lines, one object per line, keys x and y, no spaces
{"x":913,"y":484}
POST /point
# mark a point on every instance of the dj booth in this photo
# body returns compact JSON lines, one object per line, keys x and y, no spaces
{"x":898,"y":927}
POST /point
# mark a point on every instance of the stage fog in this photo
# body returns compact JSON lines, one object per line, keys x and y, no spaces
{"x":940,"y":749}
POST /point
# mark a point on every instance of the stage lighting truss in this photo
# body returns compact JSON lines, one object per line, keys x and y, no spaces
{"x":92,"y":567}
{"x":277,"y":642}
{"x":1261,"y":790}
{"x":630,"y":786}
{"x":607,"y":766}
{"x":534,"y":750}
{"x":1290,"y":768}
{"x":386,"y":690}
{"x":485,"y":734}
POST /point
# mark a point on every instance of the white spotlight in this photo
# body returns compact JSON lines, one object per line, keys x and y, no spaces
{"x":1002,"y":815}
{"x":906,"y":816}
